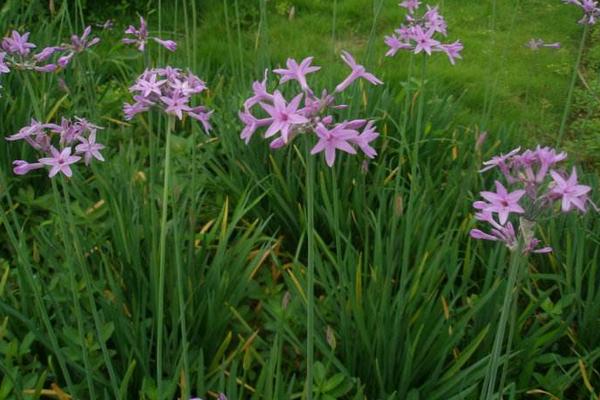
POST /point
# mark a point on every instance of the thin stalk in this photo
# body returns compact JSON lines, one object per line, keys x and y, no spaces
{"x":420,"y":110}
{"x":489,"y":383}
{"x":239,"y":40}
{"x":310,"y":274}
{"x":404,"y":128}
{"x":563,"y":122}
{"x":334,"y":25}
{"x":336,"y":215}
{"x":185,"y":390}
{"x":162,"y":255}
{"x":511,"y":334}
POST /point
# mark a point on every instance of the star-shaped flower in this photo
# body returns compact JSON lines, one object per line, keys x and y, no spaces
{"x":569,"y":191}
{"x":502,"y":202}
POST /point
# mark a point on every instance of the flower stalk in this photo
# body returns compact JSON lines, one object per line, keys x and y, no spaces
{"x":163,"y":254}
{"x":310,"y":273}
{"x":517,"y":260}
{"x":565,"y":117}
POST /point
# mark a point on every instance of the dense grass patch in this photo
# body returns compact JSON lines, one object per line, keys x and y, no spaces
{"x":407,"y":305}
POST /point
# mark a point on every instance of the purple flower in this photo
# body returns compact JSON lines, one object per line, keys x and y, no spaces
{"x":46,"y":68}
{"x":569,"y":191}
{"x":330,"y":140}
{"x":202,"y":115}
{"x":531,"y":247}
{"x":79,"y":44}
{"x":547,"y":158}
{"x":21,"y":167}
{"x":171,"y":90}
{"x":417,"y":34}
{"x":251,"y":124}
{"x":167,"y":44}
{"x":395,"y":44}
{"x":499,"y":161}
{"x":58,"y":156}
{"x":284,"y":115}
{"x":60,"y":162}
{"x":410,"y":5}
{"x":424,"y":40}
{"x":365,"y":138}
{"x":176,"y":104}
{"x":46,"y":53}
{"x":502,"y":202}
{"x":504,"y":234}
{"x":297,"y":71}
{"x":89,"y":148}
{"x":17,"y":44}
{"x":139,"y":37}
{"x":590,"y":9}
{"x":434,"y":21}
{"x":531,"y":171}
{"x":358,"y":71}
{"x":259,"y":88}
{"x":452,"y":51}
{"x":131,"y":110}
{"x":34,"y":128}
{"x":148,"y":84}
{"x":314,"y":118}
{"x":65,"y":60}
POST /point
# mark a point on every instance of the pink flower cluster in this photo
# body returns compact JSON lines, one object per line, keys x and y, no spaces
{"x":539,"y":186}
{"x":139,"y":37}
{"x":17,"y":52}
{"x":591,"y":10}
{"x":418,"y":32}
{"x":171,"y":90}
{"x":56,"y":143}
{"x":308,"y":113}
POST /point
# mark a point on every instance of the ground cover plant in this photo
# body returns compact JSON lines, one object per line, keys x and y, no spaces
{"x":421,"y":221}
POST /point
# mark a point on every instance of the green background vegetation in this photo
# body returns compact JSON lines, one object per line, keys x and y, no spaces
{"x":407,"y":305}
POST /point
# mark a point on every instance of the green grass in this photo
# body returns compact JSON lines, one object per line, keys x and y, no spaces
{"x":528,"y":88}
{"x":406,"y":304}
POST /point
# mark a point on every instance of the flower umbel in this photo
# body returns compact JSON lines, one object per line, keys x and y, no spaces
{"x":18,"y":52}
{"x":308,"y":113}
{"x":171,"y":90}
{"x":590,"y":8}
{"x":55,"y":143}
{"x":417,"y":33}
{"x":539,"y":186}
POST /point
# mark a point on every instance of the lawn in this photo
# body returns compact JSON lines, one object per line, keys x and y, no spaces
{"x":193,"y":265}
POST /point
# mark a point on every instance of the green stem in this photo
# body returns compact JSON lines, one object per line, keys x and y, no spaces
{"x":420,"y":110}
{"x":563,"y":123}
{"x":511,"y":334}
{"x":516,"y":261}
{"x":310,"y":317}
{"x":334,"y":25}
{"x":162,"y":253}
